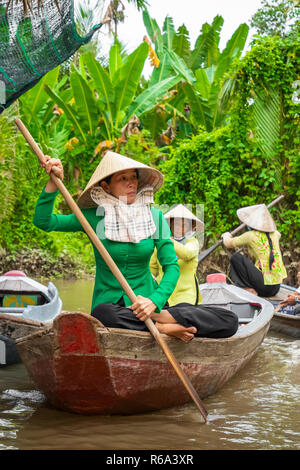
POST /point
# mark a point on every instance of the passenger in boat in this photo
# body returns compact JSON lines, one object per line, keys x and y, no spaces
{"x":184,"y":226}
{"x":292,"y":300}
{"x":263,"y":271}
{"x":116,"y":203}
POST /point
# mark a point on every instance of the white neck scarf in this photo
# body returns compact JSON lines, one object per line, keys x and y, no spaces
{"x":126,"y":222}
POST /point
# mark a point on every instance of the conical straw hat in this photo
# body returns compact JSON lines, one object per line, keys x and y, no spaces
{"x":181,"y":212}
{"x":257,"y":217}
{"x":112,"y":163}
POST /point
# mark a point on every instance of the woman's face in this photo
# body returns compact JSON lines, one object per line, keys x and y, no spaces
{"x":123,"y":185}
{"x":179,"y":227}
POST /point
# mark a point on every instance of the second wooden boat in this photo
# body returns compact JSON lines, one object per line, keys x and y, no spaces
{"x":285,"y":321}
{"x":85,"y":368}
{"x":25,"y":307}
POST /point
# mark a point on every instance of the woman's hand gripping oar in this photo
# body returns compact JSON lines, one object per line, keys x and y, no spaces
{"x":115,"y":270}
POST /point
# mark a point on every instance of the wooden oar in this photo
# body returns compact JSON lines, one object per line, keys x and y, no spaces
{"x":209,"y":250}
{"x":114,"y":269}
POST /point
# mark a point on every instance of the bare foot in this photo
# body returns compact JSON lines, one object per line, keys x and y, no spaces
{"x":179,"y":331}
{"x":249,"y":289}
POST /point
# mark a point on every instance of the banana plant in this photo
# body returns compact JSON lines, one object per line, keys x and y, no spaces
{"x":203,"y":70}
{"x":105,"y":98}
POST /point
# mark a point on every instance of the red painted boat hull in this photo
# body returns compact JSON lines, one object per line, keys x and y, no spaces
{"x":84,"y":368}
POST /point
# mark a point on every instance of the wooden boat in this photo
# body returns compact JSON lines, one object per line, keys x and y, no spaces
{"x":25,"y":307}
{"x":85,"y":368}
{"x":285,"y":321}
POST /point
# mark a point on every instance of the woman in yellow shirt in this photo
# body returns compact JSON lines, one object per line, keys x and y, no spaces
{"x":264,"y":275}
{"x":184,"y":226}
{"x":184,"y":302}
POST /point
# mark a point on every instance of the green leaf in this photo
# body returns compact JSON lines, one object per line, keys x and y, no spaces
{"x":165,"y":70}
{"x":180,"y":67}
{"x":203,"y":83}
{"x":102,"y":84}
{"x":206,"y":51}
{"x":233,"y":49}
{"x":37,"y":98}
{"x":169,"y":33}
{"x":154,"y":31}
{"x":181,"y":43}
{"x":199,"y":107}
{"x":67,"y":109}
{"x":115,"y":60}
{"x":266,"y":117}
{"x":129,"y":77}
{"x":149,"y":98}
{"x":84,"y":101}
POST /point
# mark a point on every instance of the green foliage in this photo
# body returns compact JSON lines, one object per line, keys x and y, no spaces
{"x":276,"y":17}
{"x":268,"y":78}
{"x":199,"y":97}
{"x":255,"y":157}
{"x":241,"y":117}
{"x":141,"y":147}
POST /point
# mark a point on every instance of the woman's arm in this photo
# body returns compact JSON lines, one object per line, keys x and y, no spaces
{"x":47,"y":221}
{"x":43,"y":217}
{"x":235,"y":242}
{"x":188,"y":251}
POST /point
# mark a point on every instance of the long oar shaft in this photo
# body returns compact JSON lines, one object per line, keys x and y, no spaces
{"x":113,"y":267}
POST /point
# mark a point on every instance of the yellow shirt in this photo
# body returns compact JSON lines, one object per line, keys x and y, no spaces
{"x":259,"y":250}
{"x":187,"y":256}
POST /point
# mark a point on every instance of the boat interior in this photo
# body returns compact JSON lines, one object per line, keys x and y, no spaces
{"x":15,"y":303}
{"x":246,"y":312}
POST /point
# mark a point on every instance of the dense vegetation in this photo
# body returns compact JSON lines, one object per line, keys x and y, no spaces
{"x":222,"y":127}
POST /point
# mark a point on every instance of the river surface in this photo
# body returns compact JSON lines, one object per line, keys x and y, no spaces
{"x":258,"y":409}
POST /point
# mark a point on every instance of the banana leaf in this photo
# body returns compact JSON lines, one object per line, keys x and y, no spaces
{"x":115,"y":60}
{"x":102,"y":83}
{"x":181,"y":44}
{"x":154,"y":32}
{"x":36,"y":99}
{"x":149,"y":98}
{"x":70,"y":113}
{"x":165,"y":70}
{"x":129,"y":77}
{"x":86,"y":107}
{"x":181,"y":68}
{"x":169,"y":33}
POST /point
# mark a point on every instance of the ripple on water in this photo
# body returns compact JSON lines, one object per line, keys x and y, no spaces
{"x":256,"y":409}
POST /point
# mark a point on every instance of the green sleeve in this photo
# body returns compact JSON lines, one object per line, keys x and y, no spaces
{"x":167,"y":258}
{"x":47,"y":221}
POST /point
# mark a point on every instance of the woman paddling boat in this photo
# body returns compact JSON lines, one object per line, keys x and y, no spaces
{"x":263,"y":271}
{"x":116,"y":202}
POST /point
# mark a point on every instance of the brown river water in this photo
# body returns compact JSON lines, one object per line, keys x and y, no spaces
{"x":258,"y":409}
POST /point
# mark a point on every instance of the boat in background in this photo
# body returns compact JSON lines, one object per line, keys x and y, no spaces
{"x":25,"y":307}
{"x":285,"y":321}
{"x":83,"y":367}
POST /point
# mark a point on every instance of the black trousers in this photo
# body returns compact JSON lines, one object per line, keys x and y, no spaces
{"x":243,"y":274}
{"x":210,"y":322}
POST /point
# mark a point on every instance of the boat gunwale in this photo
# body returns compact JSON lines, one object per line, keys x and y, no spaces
{"x":253,"y":327}
{"x":20,"y":320}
